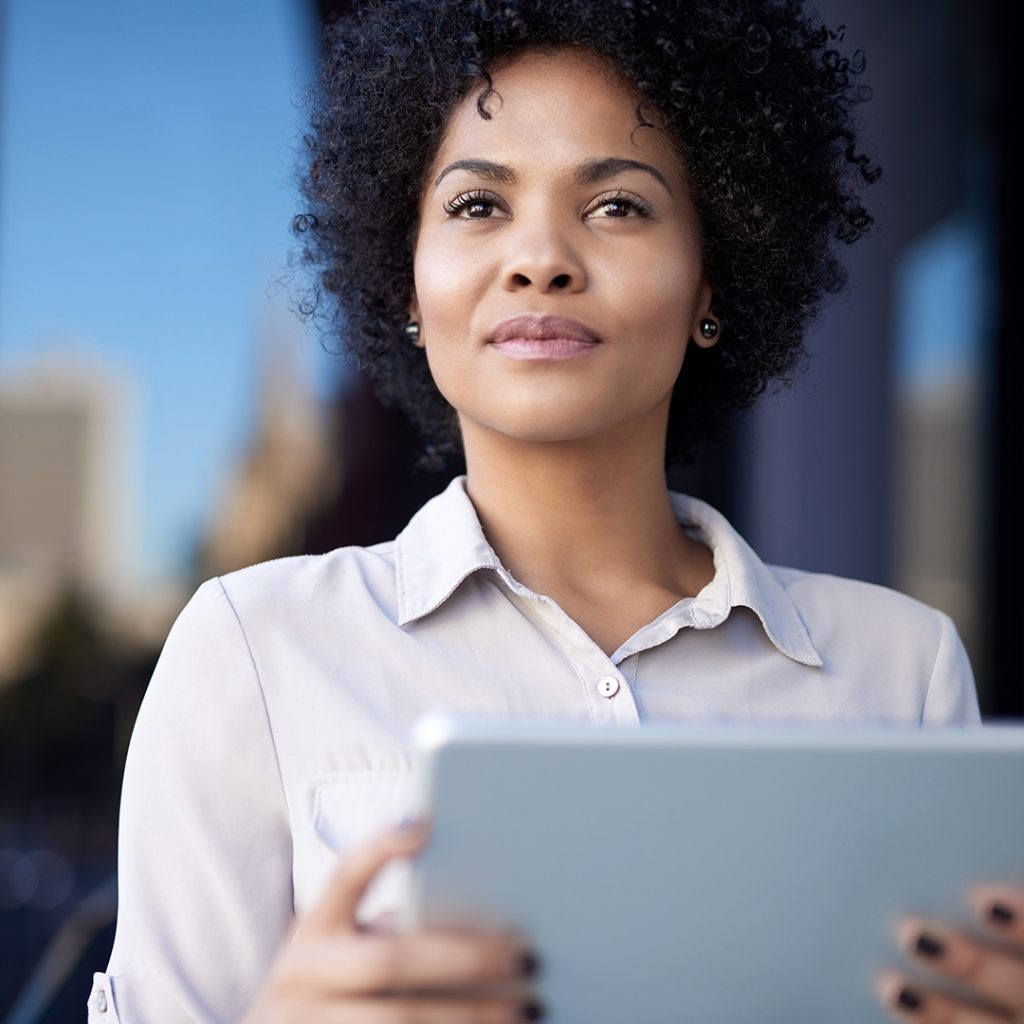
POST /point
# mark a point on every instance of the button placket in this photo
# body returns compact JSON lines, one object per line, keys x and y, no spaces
{"x":593,"y":668}
{"x":615,"y":704}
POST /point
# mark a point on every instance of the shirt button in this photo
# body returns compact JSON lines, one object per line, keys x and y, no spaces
{"x":101,"y":1001}
{"x":608,"y":687}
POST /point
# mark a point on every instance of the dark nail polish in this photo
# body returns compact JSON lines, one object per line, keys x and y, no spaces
{"x":529,"y":965}
{"x":1001,"y":914}
{"x":928,"y":945}
{"x":532,"y":1011}
{"x":908,"y":999}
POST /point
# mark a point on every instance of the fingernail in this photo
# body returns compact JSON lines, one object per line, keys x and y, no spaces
{"x":929,"y":946}
{"x":1001,"y":914}
{"x":908,"y":999}
{"x":532,"y":1011}
{"x":529,"y":965}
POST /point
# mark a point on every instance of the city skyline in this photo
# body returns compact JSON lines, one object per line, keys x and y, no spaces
{"x":146,"y":188}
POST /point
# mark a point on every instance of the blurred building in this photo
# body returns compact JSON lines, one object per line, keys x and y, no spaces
{"x":66,"y":492}
{"x":287,"y":473}
{"x":896,"y":457}
{"x":939,"y":549}
{"x":942,"y":300}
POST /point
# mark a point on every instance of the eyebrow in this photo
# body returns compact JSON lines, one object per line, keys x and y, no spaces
{"x":592,"y":172}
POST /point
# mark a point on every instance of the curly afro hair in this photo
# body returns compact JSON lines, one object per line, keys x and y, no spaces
{"x":756,"y":97}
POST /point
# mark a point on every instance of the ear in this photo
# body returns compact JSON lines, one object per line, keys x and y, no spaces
{"x":704,"y":310}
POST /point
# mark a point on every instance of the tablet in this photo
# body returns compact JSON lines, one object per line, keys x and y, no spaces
{"x":712,"y":874}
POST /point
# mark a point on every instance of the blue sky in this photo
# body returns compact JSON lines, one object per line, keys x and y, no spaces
{"x":146,"y":186}
{"x":943,"y":288}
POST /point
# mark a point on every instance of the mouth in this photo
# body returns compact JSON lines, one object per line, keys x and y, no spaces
{"x":543,"y":337}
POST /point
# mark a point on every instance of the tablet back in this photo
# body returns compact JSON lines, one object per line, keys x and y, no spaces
{"x":713,"y":874}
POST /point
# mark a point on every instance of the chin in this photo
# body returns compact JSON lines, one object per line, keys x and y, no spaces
{"x":543,"y":426}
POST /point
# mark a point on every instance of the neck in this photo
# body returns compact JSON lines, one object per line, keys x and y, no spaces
{"x":588,"y":516}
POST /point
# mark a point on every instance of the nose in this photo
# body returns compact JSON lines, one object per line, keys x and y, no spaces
{"x":541,"y":257}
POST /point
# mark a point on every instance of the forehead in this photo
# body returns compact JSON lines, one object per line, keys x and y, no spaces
{"x":551,"y":108}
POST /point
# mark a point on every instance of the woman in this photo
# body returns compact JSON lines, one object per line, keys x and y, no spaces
{"x":569,"y":239}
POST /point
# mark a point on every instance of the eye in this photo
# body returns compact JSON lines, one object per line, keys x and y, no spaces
{"x":472,"y":205}
{"x":620,"y":206}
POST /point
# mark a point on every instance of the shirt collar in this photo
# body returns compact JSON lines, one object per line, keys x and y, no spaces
{"x":440,"y":546}
{"x":444,"y":543}
{"x":742,"y":579}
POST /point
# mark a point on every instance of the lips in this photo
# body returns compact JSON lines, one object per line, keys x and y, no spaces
{"x":543,"y":328}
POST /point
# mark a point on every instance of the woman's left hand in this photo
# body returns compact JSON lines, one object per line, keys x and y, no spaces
{"x":992,"y":971}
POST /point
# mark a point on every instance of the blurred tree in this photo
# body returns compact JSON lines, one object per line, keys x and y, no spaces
{"x":64,"y":726}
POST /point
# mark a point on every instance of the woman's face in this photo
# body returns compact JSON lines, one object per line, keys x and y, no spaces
{"x":556,"y":207}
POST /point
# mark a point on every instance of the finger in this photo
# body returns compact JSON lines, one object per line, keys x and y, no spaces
{"x":435,"y":960}
{"x":910,"y":1001}
{"x":425,"y":1011}
{"x":991,"y":973}
{"x":1001,"y":909}
{"x":370,"y":963}
{"x":337,"y":906}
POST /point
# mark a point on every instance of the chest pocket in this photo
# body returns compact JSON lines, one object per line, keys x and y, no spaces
{"x":350,"y":808}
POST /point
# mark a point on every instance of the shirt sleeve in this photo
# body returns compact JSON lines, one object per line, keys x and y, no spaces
{"x":204,"y":849}
{"x":951,"y":698}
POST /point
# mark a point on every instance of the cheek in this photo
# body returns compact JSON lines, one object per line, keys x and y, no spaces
{"x":445,"y":292}
{"x":660,"y":297}
{"x":670,"y":277}
{"x":661,"y":292}
{"x":446,"y":285}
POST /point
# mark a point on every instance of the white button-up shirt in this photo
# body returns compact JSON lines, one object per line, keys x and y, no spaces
{"x":275,"y":733}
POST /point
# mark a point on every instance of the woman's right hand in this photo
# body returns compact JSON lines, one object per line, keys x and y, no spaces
{"x":336,"y":971}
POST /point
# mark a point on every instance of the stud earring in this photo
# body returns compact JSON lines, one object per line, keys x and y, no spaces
{"x":412,"y":331}
{"x":708,"y":327}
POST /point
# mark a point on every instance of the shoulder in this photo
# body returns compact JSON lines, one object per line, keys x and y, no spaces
{"x":365,"y":585}
{"x":867,"y":609}
{"x":874,"y":632}
{"x":341,"y":579}
{"x":334,"y":568}
{"x":281,"y":604}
